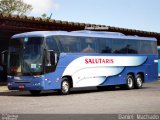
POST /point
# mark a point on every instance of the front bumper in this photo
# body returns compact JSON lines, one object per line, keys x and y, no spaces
{"x":25,"y":83}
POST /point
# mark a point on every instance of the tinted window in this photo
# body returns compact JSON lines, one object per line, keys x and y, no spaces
{"x":69,"y":43}
{"x":104,"y":45}
{"x":51,"y":44}
{"x":75,"y":44}
{"x":133,"y":46}
{"x":119,"y":46}
{"x":154,"y":47}
{"x":88,"y":45}
{"x":148,"y":47}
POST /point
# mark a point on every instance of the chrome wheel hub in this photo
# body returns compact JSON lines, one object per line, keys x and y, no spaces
{"x":65,"y":87}
{"x":130,"y":82}
{"x":139,"y":81}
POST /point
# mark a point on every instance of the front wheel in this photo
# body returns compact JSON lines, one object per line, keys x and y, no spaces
{"x":65,"y":86}
{"x":35,"y":92}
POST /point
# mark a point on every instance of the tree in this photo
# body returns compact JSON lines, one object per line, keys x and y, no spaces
{"x":14,"y":7}
{"x":44,"y":16}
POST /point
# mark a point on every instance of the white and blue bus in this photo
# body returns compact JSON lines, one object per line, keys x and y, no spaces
{"x":60,"y":60}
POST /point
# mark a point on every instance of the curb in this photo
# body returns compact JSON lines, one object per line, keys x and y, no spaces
{"x":3,"y":88}
{"x":3,"y":84}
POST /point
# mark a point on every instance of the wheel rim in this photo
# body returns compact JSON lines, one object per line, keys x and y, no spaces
{"x":130,"y":82}
{"x":65,"y":87}
{"x":139,"y":82}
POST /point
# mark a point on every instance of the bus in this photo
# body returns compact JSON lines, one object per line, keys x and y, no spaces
{"x":61,"y":60}
{"x":158,"y":48}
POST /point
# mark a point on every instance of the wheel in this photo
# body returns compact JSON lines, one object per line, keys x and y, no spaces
{"x":130,"y":82}
{"x":35,"y":92}
{"x":65,"y":86}
{"x":138,"y":81}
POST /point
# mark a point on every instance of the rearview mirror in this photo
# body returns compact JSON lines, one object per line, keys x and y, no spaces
{"x":50,"y":61}
{"x":51,"y":58}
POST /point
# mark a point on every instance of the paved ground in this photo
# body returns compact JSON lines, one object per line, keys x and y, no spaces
{"x":146,"y":100}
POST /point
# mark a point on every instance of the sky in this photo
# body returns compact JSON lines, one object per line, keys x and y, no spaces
{"x":132,"y":14}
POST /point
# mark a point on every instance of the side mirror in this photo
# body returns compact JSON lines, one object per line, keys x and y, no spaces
{"x":51,"y":58}
{"x":50,"y":61}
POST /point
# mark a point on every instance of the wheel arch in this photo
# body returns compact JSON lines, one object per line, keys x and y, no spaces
{"x":70,"y":79}
{"x":131,"y":73}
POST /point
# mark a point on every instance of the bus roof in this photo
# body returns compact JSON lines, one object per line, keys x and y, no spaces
{"x":85,"y":33}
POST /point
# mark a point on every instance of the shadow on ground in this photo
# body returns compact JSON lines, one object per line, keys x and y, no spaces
{"x":73,"y":91}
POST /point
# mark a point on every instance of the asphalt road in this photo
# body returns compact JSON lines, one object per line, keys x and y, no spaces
{"x":86,"y":101}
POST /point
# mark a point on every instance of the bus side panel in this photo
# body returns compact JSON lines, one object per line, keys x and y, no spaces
{"x":151,"y":73}
{"x":114,"y":80}
{"x":158,"y":67}
{"x":149,"y":70}
{"x":158,"y":49}
{"x":122,"y":77}
{"x":53,"y":80}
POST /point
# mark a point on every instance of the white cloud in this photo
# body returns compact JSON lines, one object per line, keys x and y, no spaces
{"x":42,"y":6}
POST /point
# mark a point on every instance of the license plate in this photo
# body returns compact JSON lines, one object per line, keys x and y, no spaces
{"x":21,"y":86}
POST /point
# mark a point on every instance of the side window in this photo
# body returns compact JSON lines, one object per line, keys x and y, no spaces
{"x":104,"y":45}
{"x":148,"y":47}
{"x":133,"y":46}
{"x":88,"y":45}
{"x":70,"y":43}
{"x":154,"y":47}
{"x":119,"y":46}
{"x":61,"y":48}
{"x":51,"y":44}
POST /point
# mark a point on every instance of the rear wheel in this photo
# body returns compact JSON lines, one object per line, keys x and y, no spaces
{"x":138,"y":81}
{"x":130,"y":82}
{"x":65,"y":86}
{"x":35,"y":92}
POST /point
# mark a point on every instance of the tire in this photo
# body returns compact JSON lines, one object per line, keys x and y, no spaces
{"x":35,"y":92}
{"x":130,"y":82}
{"x":65,"y":87}
{"x":138,"y":81}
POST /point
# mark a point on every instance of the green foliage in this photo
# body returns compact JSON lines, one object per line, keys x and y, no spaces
{"x":45,"y":16}
{"x":14,"y":7}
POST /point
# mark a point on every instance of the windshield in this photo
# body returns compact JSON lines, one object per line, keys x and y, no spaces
{"x":25,"y":56}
